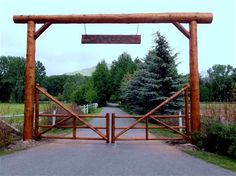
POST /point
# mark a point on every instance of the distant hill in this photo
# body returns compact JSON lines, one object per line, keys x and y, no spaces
{"x":86,"y":71}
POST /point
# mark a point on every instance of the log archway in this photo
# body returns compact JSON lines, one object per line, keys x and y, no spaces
{"x":175,"y":18}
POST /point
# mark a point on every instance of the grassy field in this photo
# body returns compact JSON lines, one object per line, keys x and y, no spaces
{"x":68,"y":131}
{"x":219,"y":160}
{"x":16,"y":108}
{"x":220,"y":111}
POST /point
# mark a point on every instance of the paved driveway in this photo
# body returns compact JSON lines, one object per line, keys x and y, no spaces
{"x":96,"y":158}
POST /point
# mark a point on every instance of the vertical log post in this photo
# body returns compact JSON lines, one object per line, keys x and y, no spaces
{"x":108,"y":127}
{"x":147,"y":128}
{"x":113,"y":128}
{"x":186,"y":112}
{"x":36,"y":130}
{"x":194,"y":79}
{"x":74,"y":127}
{"x":29,"y":83}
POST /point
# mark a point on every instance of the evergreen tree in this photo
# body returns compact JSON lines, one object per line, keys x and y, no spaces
{"x":101,"y":80}
{"x":155,"y":80}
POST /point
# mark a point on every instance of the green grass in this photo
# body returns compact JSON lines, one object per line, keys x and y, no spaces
{"x":163,"y":133}
{"x":218,"y":160}
{"x":17,"y":122}
{"x":3,"y":152}
{"x":96,"y":111}
{"x":55,"y":131}
{"x":160,"y":132}
{"x":16,"y":108}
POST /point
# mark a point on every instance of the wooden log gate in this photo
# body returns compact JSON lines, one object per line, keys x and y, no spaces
{"x":157,"y":118}
{"x":70,"y":115}
{"x":174,"y":18}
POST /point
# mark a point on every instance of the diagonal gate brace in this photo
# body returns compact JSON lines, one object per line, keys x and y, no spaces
{"x":70,"y":112}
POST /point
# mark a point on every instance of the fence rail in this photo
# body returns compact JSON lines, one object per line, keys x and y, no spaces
{"x":69,"y":115}
{"x":157,"y":118}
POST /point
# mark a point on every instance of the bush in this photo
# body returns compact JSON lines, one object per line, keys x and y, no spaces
{"x":217,"y":137}
{"x":5,"y":136}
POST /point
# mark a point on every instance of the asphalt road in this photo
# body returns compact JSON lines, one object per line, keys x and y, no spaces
{"x":96,"y":158}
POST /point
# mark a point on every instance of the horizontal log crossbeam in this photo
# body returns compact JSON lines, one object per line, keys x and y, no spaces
{"x":118,"y":18}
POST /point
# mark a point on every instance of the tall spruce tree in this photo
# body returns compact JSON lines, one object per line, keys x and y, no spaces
{"x":155,"y":80}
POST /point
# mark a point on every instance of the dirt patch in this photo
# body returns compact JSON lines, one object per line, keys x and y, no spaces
{"x":182,"y":145}
{"x":21,"y":145}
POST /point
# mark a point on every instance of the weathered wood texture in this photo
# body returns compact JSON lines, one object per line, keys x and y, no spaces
{"x":194,"y":79}
{"x":29,"y":83}
{"x":118,"y":18}
{"x":111,"y":39}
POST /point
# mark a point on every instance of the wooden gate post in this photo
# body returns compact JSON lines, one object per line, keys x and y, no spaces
{"x":29,"y":83}
{"x":194,"y":79}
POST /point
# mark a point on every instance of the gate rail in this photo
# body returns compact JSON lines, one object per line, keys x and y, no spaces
{"x":71,"y":115}
{"x":151,"y":115}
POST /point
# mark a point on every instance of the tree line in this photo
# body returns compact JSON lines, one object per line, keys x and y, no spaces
{"x":12,"y":78}
{"x":219,"y":84}
{"x":139,"y":84}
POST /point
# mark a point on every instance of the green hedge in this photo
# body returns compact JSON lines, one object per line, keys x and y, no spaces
{"x":216,"y":137}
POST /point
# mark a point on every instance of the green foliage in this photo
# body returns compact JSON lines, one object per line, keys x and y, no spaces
{"x":54,"y":84}
{"x":102,"y":82}
{"x":219,"y":160}
{"x":72,"y":83}
{"x":119,"y":68}
{"x":12,"y":78}
{"x":155,"y":80}
{"x":85,"y":92}
{"x":219,"y":84}
{"x":217,"y":137}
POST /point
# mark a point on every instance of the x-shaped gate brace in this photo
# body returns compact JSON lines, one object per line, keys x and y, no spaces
{"x":150,"y":115}
{"x":71,"y":114}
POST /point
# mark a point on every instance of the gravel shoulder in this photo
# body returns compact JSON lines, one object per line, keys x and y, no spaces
{"x":96,"y":158}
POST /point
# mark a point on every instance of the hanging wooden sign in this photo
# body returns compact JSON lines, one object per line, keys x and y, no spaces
{"x":111,"y":39}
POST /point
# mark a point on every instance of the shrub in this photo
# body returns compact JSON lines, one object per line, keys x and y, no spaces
{"x":217,"y":137}
{"x":6,"y":137}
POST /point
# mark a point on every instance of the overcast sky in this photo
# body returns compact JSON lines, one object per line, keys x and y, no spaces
{"x":59,"y":48}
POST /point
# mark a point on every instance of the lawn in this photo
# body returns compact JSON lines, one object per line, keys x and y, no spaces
{"x":16,"y":108}
{"x":58,"y":131}
{"x":219,"y":160}
{"x":161,"y":132}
